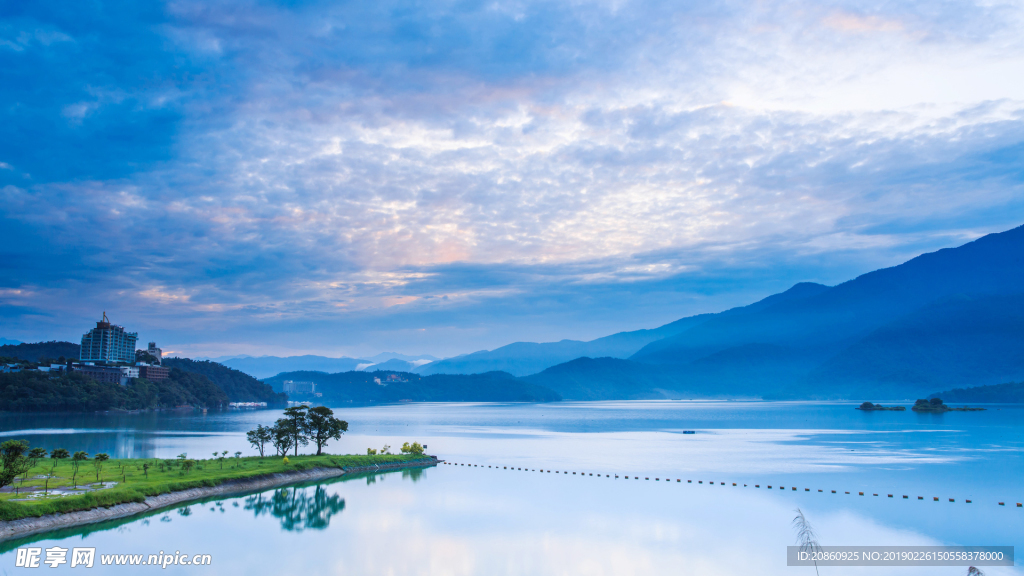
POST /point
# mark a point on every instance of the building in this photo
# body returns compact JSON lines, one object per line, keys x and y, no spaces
{"x":299,"y":387}
{"x":156,"y":353}
{"x":111,"y":374}
{"x":153,"y":372}
{"x":108,"y":343}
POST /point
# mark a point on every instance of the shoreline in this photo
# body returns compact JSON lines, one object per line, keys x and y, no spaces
{"x":24,"y":527}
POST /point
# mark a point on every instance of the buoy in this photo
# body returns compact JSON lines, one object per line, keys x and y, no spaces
{"x":689,"y":481}
{"x":968,"y":501}
{"x":904,"y":496}
{"x":658,"y":479}
{"x":1001,"y":504}
{"x":819,"y":489}
{"x":700,"y":481}
{"x":935,"y":498}
{"x":951,"y":500}
{"x":920,"y":497}
{"x":847,"y":492}
{"x":1019,"y":505}
{"x":733,"y":483}
{"x":890,"y":495}
{"x":807,"y":489}
{"x":833,"y":491}
{"x":678,"y":480}
{"x":757,"y":485}
{"x":794,"y":488}
{"x":874,"y":494}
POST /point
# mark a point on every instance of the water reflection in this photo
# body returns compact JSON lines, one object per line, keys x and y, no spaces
{"x":298,"y":508}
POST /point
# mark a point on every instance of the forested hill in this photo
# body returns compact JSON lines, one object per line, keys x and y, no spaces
{"x":32,"y":391}
{"x":360,"y":387}
{"x":36,"y":351}
{"x":1009,"y":393}
{"x":239,"y":386}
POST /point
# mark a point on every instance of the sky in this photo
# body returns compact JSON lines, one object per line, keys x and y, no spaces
{"x":347,"y":178}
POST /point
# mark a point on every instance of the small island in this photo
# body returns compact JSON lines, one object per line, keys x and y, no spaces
{"x":869,"y":407}
{"x":935,"y":405}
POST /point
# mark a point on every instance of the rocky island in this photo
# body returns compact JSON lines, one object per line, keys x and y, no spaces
{"x":869,"y":407}
{"x":936,"y":405}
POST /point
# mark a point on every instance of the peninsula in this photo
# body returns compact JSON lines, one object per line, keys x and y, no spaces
{"x":63,"y":492}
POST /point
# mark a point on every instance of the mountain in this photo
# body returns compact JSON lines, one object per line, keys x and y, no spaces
{"x":238,"y":386}
{"x":522,"y":358}
{"x":33,"y":352}
{"x":951,"y":317}
{"x":8,"y":341}
{"x":266,"y":366}
{"x":394,"y":364}
{"x":360,"y":387}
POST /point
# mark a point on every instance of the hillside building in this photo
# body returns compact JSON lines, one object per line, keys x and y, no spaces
{"x":153,"y":372}
{"x":156,"y":353}
{"x":108,"y":343}
{"x":299,"y":387}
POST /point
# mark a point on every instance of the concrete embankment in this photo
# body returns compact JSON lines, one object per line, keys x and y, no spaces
{"x":31,"y":526}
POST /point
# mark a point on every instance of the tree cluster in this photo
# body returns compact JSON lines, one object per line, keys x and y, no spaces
{"x":299,"y":426}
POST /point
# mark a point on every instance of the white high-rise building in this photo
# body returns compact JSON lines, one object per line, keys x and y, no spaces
{"x":108,"y":343}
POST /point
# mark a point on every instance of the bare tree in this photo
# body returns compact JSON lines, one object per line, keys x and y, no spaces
{"x":805,"y":536}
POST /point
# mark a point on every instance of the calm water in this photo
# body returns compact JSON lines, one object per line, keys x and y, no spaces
{"x":479,"y":520}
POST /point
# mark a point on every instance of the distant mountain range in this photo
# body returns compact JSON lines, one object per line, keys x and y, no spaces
{"x":267,"y":366}
{"x":947,"y":319}
{"x":359,"y":387}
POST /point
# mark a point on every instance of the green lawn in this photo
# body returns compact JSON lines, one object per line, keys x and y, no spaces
{"x":133,"y":484}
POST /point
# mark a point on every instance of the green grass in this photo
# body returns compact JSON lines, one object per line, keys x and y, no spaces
{"x":134,"y":485}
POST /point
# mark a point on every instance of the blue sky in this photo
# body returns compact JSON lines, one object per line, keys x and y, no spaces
{"x":442,"y":177}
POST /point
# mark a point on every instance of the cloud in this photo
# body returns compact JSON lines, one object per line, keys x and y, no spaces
{"x":451,"y":176}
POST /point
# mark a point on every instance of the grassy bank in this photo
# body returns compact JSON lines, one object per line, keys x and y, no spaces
{"x":57,"y":489}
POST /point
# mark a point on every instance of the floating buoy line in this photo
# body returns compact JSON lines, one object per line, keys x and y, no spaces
{"x":679,"y":481}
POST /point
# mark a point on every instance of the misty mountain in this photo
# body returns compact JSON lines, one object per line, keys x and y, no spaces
{"x":359,"y":387}
{"x":266,"y":366}
{"x":522,"y":358}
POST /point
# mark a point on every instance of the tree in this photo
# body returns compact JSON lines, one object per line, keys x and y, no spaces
{"x":34,"y":456}
{"x":415,"y":449}
{"x":296,"y":417}
{"x":97,"y":463}
{"x":58,"y":454}
{"x":321,"y":426}
{"x":187,"y":464}
{"x":281,"y":437}
{"x":221,"y":458}
{"x":13,"y":460}
{"x":76,"y":461}
{"x":259,"y":437}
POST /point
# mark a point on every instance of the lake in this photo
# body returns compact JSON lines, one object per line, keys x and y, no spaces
{"x":457,"y":519}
